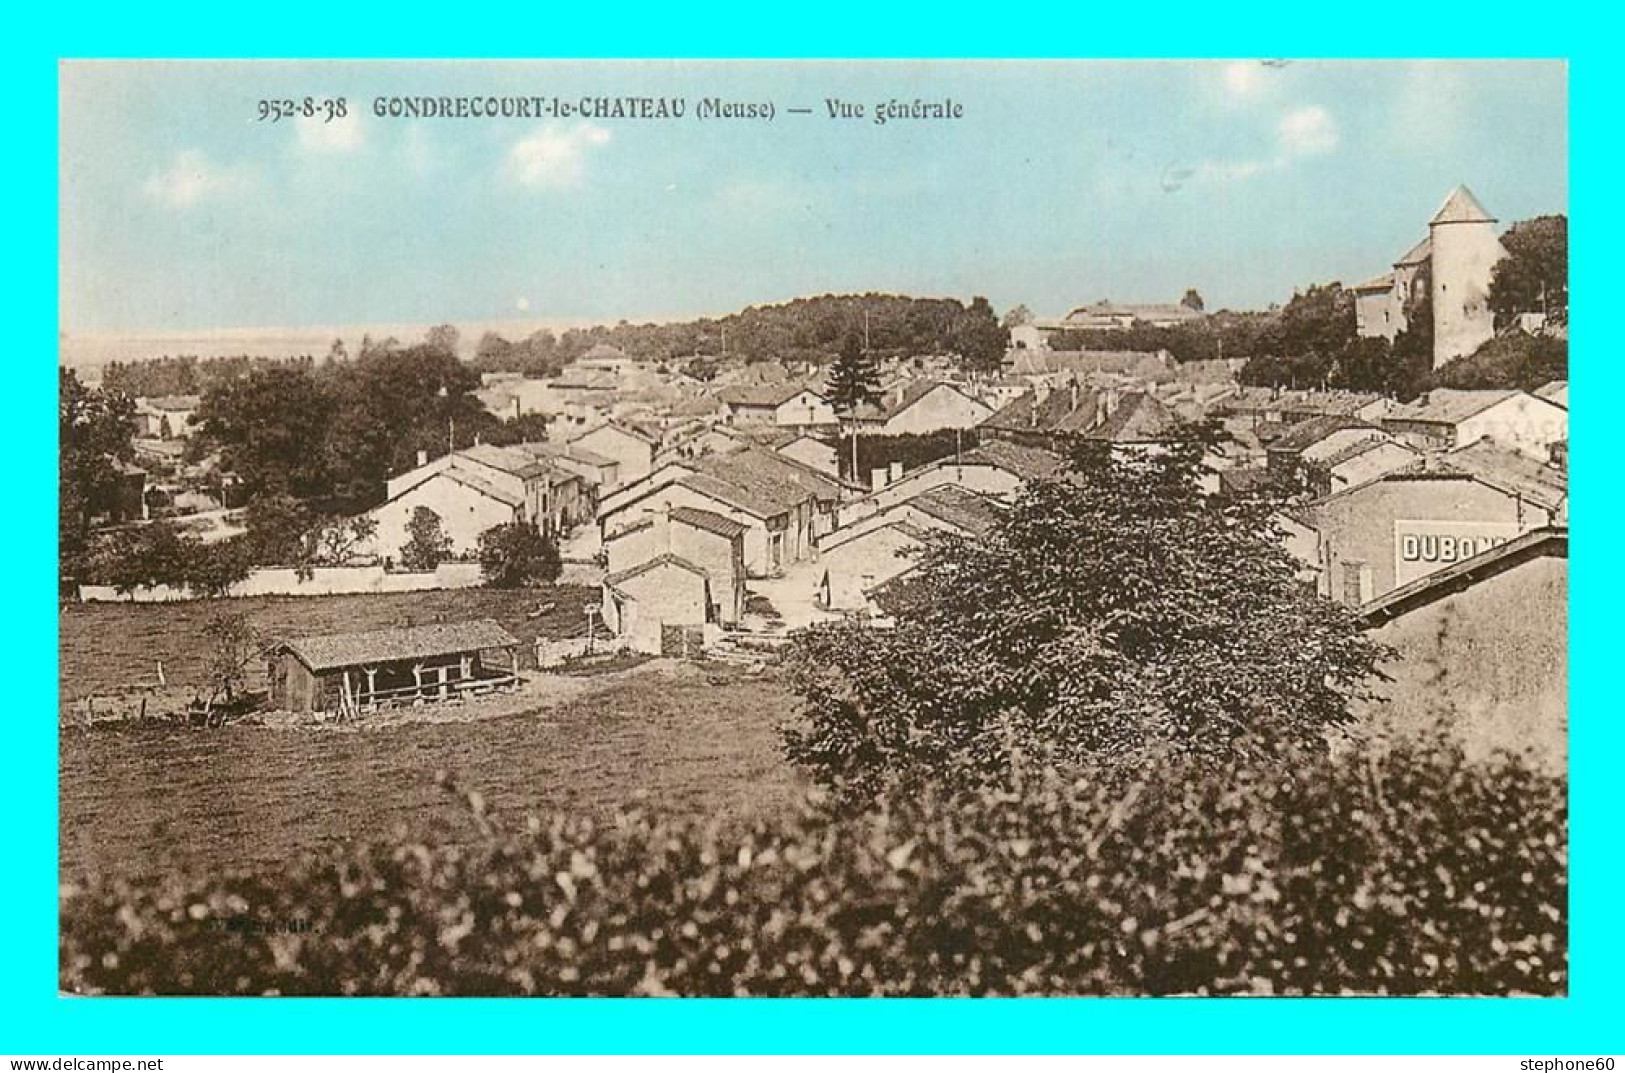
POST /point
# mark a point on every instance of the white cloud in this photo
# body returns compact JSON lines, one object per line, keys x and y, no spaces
{"x":555,"y":157}
{"x":1303,"y":132}
{"x":1307,"y":131}
{"x":522,"y":304}
{"x":1244,"y":78}
{"x":192,"y":177}
{"x":318,"y":134}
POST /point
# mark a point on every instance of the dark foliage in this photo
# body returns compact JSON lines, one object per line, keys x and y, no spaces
{"x":1403,"y":872}
{"x":1534,"y":276}
{"x":1512,"y":360}
{"x":854,"y":379}
{"x":427,"y":545}
{"x":911,"y":449}
{"x":516,"y":555}
{"x":1111,"y":613}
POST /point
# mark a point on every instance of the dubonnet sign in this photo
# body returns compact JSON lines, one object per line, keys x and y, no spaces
{"x":1420,"y":547}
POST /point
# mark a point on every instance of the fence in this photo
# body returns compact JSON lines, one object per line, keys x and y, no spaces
{"x":323,"y":581}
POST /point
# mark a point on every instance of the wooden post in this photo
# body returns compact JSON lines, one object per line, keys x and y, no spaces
{"x":417,"y":681}
{"x":372,"y":683}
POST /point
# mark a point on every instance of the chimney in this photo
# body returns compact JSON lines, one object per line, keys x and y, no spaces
{"x":895,"y":473}
{"x":423,"y":458}
{"x":877,"y":479}
{"x":1074,"y":405}
{"x":1111,"y":401}
{"x":516,"y":413}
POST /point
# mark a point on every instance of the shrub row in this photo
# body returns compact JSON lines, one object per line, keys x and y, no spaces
{"x":1404,"y":872}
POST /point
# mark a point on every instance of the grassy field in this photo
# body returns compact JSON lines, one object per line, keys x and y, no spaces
{"x":668,"y":736}
{"x":105,"y":648}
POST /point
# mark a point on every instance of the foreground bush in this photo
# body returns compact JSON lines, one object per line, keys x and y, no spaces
{"x":1404,"y":872}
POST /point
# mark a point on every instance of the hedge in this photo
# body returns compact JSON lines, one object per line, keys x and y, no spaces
{"x":1411,"y":871}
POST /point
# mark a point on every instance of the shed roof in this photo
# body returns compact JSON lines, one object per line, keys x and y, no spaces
{"x":334,"y":650}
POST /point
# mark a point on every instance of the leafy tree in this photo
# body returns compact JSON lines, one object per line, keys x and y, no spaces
{"x":280,"y":529}
{"x":492,"y":349}
{"x":853,"y":379}
{"x":233,"y":648}
{"x":1534,"y":275}
{"x":269,"y":428}
{"x":1111,"y":614}
{"x":1513,"y":360}
{"x":1017,"y":317}
{"x":979,"y":339}
{"x":517,"y":555}
{"x":212,"y":569}
{"x":1193,"y":300}
{"x":702,"y":369}
{"x":427,"y":544}
{"x":93,"y":442}
{"x":443,"y":339}
{"x":339,"y":540}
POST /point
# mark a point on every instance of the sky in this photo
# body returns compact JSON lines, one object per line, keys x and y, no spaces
{"x":1061,"y":183}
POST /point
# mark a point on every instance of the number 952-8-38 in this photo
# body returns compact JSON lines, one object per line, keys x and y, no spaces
{"x":326,"y":109}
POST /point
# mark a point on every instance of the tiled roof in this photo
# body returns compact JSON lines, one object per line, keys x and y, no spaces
{"x":1028,"y":463}
{"x":771,"y":474}
{"x":761,"y":394}
{"x":505,"y":459}
{"x":1305,"y":434}
{"x":1376,"y":283}
{"x":1449,"y":406}
{"x":1545,"y":486}
{"x":965,"y":510}
{"x":1137,"y":418}
{"x":668,"y":559}
{"x":710,"y":521}
{"x":1355,"y":450}
{"x":335,"y":650}
{"x":761,"y":505}
{"x":471,"y":479}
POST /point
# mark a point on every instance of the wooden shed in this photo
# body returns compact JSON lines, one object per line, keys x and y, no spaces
{"x":348,"y":672}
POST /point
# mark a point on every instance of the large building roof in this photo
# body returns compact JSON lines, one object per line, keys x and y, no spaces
{"x":1028,"y":463}
{"x":334,"y":650}
{"x":770,"y":473}
{"x":504,"y":459}
{"x":965,"y":510}
{"x":1449,"y":406}
{"x":762,"y":394}
{"x":1461,"y":207}
{"x":1541,"y":484}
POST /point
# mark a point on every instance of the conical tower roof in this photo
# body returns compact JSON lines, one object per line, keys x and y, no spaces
{"x":1461,"y":207}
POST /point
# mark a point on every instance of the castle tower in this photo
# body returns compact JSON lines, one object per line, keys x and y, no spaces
{"x":1464,"y":251}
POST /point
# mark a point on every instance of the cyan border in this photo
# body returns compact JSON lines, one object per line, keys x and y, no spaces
{"x":40,"y":1022}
